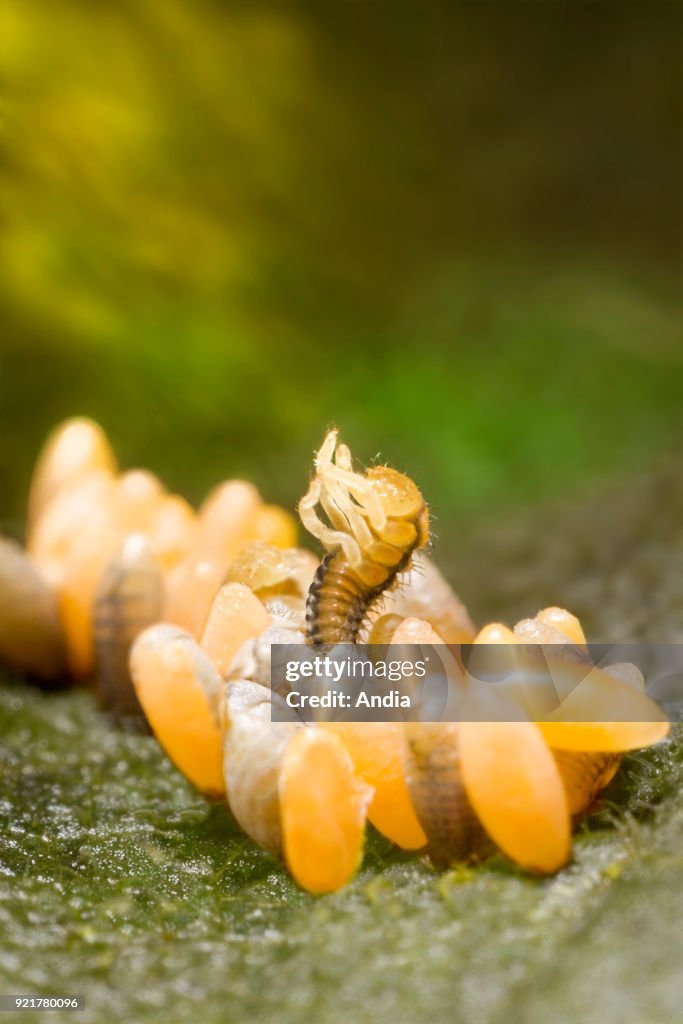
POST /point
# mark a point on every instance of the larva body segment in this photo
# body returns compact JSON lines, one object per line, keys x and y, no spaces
{"x":425,"y":594}
{"x":338,"y":602}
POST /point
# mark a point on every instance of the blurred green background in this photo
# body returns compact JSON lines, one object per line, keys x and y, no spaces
{"x":456,"y":231}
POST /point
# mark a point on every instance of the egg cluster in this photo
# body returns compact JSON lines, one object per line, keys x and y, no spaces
{"x":172,"y":612}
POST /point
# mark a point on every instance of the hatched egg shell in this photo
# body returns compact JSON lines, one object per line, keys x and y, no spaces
{"x":535,"y":632}
{"x":585,"y":718}
{"x":288,"y":606}
{"x":253,"y":659}
{"x":563,"y":662}
{"x":425,"y":594}
{"x":253,"y":749}
{"x":383,"y":628}
{"x":564,"y":622}
{"x":519,"y":671}
{"x":31,"y":637}
{"x":73,"y":449}
{"x":496,"y":633}
{"x":416,"y":631}
{"x":272,"y":571}
{"x":627,"y":672}
{"x":613,"y":737}
{"x":129,"y":598}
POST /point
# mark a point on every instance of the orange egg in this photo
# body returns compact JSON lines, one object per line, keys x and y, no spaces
{"x":192,"y":586}
{"x":275,"y":526}
{"x":236,"y":616}
{"x":375,"y":749}
{"x":76,"y":447}
{"x":138,"y":497}
{"x":226,"y":518}
{"x":179,"y":690}
{"x":515,"y":788}
{"x":172,"y":530}
{"x":323,"y":806}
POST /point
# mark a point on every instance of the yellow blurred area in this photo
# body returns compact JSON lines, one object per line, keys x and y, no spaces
{"x":98,"y":100}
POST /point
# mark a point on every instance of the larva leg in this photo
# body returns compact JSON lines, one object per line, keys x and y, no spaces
{"x":309,"y":517}
{"x":348,"y":514}
{"x":312,"y":522}
{"x":324,"y":456}
{"x":328,"y":537}
{"x":348,"y":544}
{"x":337,"y":517}
{"x":352,"y":519}
{"x":307,"y":511}
{"x":325,"y":534}
{"x":343,"y":458}
{"x":361,"y":530}
{"x":344,"y":515}
{"x":362,"y":491}
{"x":312,"y":495}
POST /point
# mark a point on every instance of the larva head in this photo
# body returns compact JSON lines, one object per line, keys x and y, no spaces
{"x":399,"y":496}
{"x":402,"y":503}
